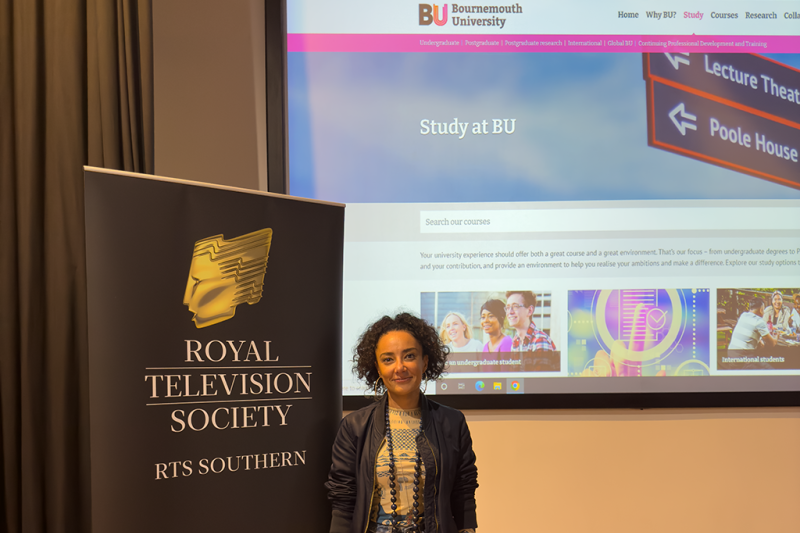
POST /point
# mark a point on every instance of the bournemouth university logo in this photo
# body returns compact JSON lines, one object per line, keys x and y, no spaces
{"x":482,"y":15}
{"x":428,"y":14}
{"x":225,"y":273}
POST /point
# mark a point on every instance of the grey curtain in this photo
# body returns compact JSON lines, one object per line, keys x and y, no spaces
{"x":75,"y":89}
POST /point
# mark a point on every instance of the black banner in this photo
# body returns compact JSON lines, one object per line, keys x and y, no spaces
{"x":215,"y":356}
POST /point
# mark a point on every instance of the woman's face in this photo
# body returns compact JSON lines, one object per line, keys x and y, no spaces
{"x":777,"y":302}
{"x":490,"y":323}
{"x":455,"y":328}
{"x":401,"y":365}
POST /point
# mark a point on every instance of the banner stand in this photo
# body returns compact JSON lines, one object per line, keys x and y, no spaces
{"x":214,"y":355}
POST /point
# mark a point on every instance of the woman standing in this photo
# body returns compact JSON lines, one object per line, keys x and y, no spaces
{"x":404,"y":463}
{"x":457,"y":335}
{"x":493,"y":315}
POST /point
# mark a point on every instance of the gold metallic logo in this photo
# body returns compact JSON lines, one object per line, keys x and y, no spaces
{"x":224,"y":274}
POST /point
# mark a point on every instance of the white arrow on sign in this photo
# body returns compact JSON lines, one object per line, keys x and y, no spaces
{"x":676,"y":59}
{"x":683,"y":126}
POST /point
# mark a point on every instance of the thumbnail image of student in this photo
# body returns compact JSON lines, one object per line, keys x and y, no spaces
{"x":795,"y":316}
{"x":493,"y":315}
{"x":777,"y":313}
{"x":457,"y":335}
{"x":751,"y":330}
{"x":520,"y":306}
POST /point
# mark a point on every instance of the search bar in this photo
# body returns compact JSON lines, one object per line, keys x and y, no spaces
{"x":611,"y":219}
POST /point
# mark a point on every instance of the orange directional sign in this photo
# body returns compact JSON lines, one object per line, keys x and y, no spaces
{"x":741,"y":80}
{"x":726,"y":111}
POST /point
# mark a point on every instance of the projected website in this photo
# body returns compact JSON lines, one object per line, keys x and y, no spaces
{"x":567,"y":192}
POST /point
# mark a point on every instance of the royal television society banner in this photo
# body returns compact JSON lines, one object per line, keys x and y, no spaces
{"x":214,"y":355}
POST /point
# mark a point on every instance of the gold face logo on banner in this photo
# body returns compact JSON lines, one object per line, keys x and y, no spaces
{"x":225,"y":273}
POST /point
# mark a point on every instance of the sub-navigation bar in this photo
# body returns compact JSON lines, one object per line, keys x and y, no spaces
{"x":328,"y":42}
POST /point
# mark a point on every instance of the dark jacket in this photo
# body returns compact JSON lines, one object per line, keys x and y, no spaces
{"x":445,"y":446}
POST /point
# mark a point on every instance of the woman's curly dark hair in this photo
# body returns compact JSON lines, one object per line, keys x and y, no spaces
{"x":365,"y":362}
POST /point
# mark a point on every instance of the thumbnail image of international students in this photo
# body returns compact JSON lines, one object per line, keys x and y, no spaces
{"x":495,"y":331}
{"x":638,"y":333}
{"x":758,"y":329}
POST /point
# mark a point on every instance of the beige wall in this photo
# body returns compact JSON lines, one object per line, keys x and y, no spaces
{"x":210,"y":91}
{"x":653,"y":471}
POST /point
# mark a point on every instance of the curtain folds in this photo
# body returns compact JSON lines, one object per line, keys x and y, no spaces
{"x":120,"y":91}
{"x":75,"y":88}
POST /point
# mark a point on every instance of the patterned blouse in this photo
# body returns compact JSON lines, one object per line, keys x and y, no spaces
{"x":405,"y":428}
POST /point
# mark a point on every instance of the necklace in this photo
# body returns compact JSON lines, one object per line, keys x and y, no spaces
{"x":392,"y":491}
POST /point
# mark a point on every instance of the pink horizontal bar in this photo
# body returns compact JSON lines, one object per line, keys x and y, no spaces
{"x":330,"y":42}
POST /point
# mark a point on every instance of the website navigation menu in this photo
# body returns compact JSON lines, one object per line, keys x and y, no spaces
{"x":569,"y":26}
